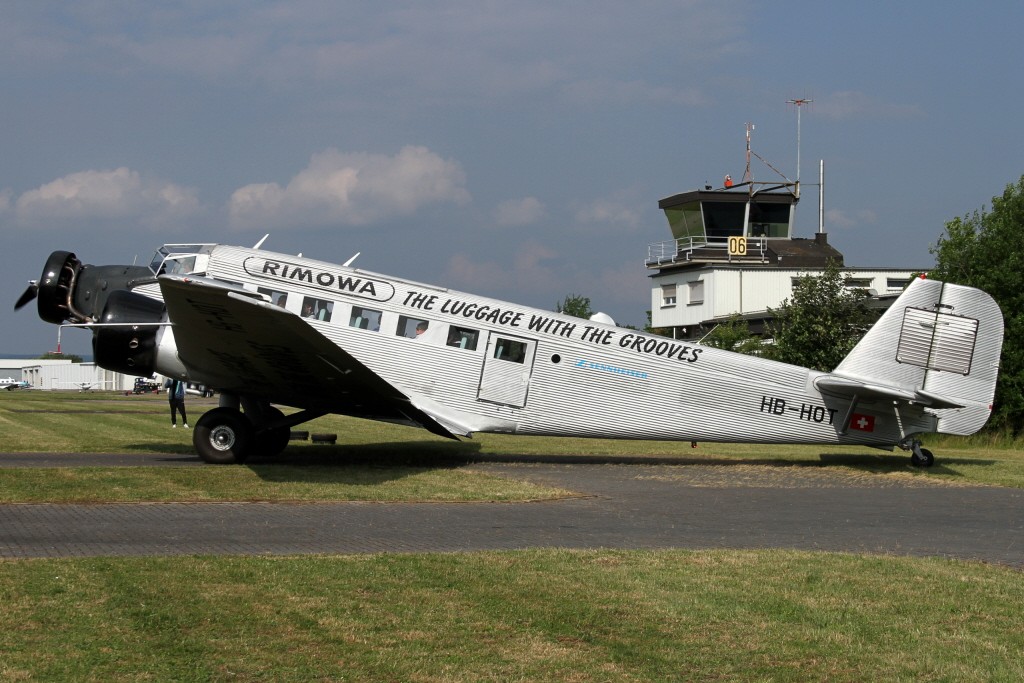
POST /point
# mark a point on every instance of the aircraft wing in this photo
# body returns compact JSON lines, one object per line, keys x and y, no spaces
{"x":234,"y":341}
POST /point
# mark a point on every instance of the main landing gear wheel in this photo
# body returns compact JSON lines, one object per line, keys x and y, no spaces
{"x":921,"y":457}
{"x":223,"y":436}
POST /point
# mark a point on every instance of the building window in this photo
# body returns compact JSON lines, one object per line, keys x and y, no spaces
{"x":365,"y":319}
{"x":896,"y":284}
{"x":668,"y":295}
{"x":858,"y":283}
{"x":696,"y":292}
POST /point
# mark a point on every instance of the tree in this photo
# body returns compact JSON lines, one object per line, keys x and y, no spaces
{"x":984,"y":250}
{"x":53,"y":355}
{"x":659,"y":331}
{"x":734,"y":335}
{"x":575,"y":305}
{"x":820,"y":323}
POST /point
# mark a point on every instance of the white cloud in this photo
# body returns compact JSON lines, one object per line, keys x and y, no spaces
{"x":536,"y":275}
{"x":532,"y":269}
{"x":120,"y":195}
{"x":844,"y":220}
{"x":609,"y":213}
{"x":345,"y":188}
{"x":420,"y":52}
{"x":850,"y":104}
{"x":630,"y":93}
{"x":516,"y":212}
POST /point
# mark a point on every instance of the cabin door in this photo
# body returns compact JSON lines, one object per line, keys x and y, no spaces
{"x":506,"y":375}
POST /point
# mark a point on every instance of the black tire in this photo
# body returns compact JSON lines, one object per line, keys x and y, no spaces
{"x":223,"y":436}
{"x":270,"y":442}
{"x":925,"y":459}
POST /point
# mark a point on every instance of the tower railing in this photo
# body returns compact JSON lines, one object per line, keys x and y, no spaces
{"x":716,"y":249}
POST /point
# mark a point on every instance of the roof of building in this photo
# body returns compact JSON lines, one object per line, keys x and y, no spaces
{"x":804,"y":252}
{"x":739,"y":193}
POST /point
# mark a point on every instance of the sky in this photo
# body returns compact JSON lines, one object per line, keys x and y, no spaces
{"x":510,"y":149}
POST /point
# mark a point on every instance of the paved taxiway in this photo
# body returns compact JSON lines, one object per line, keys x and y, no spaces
{"x":621,"y":505}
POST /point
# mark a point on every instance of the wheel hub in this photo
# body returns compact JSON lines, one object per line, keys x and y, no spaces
{"x":222,"y":438}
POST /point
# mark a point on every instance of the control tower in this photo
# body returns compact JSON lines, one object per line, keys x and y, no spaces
{"x":737,"y":225}
{"x":733,"y":253}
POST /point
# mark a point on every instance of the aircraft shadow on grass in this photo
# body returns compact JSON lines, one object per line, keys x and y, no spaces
{"x":398,"y":456}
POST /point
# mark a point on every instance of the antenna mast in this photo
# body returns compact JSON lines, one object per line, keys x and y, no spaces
{"x":799,"y":102}
{"x":746,"y":174}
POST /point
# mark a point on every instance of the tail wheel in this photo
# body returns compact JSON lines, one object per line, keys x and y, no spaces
{"x":223,"y":436}
{"x":922,"y":457}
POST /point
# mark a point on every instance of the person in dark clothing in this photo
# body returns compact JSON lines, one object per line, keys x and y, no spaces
{"x":176,"y":397}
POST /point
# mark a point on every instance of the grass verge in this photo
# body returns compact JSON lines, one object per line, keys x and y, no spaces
{"x":512,"y":616}
{"x":100,"y":422}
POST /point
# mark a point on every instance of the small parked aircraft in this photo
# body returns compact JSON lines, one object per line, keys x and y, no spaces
{"x":10,"y":384}
{"x":263,"y":328}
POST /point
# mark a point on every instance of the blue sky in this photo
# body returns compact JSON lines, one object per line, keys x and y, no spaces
{"x":515,"y":150}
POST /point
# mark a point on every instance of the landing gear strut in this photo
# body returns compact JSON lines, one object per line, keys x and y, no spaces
{"x":919,"y":457}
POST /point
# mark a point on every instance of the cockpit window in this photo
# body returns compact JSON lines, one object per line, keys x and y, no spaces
{"x":177,"y":259}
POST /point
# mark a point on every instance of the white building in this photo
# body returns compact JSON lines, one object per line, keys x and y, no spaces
{"x":63,"y":374}
{"x":733,"y":254}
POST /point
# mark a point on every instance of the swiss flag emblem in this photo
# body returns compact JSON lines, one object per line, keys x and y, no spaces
{"x":864,"y":423}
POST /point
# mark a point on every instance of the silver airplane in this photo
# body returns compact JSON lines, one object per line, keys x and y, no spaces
{"x":267,"y":329}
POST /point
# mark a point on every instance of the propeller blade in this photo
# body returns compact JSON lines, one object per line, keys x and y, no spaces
{"x":28,"y":295}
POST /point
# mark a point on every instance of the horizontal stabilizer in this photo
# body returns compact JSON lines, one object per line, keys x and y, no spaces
{"x":841,"y":386}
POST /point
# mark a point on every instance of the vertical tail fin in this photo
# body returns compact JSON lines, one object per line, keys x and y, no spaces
{"x":939,"y":343}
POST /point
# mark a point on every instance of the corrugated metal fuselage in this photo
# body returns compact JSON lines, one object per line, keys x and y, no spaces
{"x":503,"y":367}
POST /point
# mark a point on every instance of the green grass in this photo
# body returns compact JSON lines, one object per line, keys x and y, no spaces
{"x":35,"y":421}
{"x":512,"y":616}
{"x":269,"y":483}
{"x":545,"y":615}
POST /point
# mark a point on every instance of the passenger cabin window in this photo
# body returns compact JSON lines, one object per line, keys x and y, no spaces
{"x":365,"y":319}
{"x":463,"y":337}
{"x":411,"y":327}
{"x":317,"y":309}
{"x":510,"y":350}
{"x":277,"y":297}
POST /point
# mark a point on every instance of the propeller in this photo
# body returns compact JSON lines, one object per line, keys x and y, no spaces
{"x":28,"y":295}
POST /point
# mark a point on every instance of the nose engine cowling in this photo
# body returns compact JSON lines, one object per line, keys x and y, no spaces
{"x":126,"y":338}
